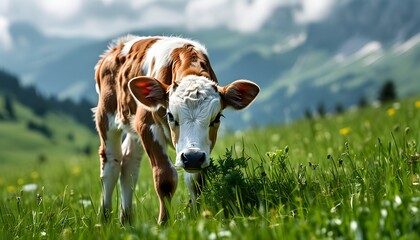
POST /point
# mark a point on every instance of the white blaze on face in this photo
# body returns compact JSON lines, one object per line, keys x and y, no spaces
{"x":193,"y":105}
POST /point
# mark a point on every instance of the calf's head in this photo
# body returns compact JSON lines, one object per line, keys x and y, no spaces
{"x":194,"y":107}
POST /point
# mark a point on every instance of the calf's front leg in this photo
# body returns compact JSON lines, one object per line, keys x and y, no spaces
{"x":165,"y":175}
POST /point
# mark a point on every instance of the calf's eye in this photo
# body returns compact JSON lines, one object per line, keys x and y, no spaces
{"x":216,"y":120}
{"x":171,"y":118}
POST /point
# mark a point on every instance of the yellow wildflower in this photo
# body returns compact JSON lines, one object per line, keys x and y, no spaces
{"x":34,"y":175}
{"x":367,"y":124}
{"x":344,"y":131}
{"x":417,"y":104}
{"x":67,"y":233}
{"x":75,"y":170}
{"x":206,"y":214}
{"x":10,"y":188}
{"x":391,"y":112}
{"x":20,"y":181}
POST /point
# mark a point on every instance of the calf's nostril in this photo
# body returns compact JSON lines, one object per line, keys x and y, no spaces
{"x":202,"y":158}
{"x":193,"y":157}
{"x":184,"y":158}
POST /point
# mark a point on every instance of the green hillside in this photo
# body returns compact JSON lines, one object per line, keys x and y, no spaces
{"x":354,"y":175}
{"x":30,"y":139}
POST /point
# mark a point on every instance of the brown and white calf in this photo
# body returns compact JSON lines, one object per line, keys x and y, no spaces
{"x":157,"y":91}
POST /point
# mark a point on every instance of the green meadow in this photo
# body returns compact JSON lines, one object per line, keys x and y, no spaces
{"x":354,"y":175}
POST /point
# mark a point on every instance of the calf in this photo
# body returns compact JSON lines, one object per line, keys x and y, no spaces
{"x":156,"y":91}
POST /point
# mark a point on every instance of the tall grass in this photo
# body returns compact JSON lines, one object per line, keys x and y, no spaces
{"x":351,"y":176}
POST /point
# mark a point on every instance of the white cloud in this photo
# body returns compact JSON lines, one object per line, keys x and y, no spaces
{"x":159,"y":16}
{"x":137,"y":4}
{"x":250,"y":16}
{"x":105,"y":18}
{"x":197,"y":13}
{"x":4,"y":6}
{"x":103,"y":26}
{"x":313,"y":10}
{"x":240,"y":15}
{"x":61,"y":10}
{"x":107,"y":2}
{"x":6,"y":42}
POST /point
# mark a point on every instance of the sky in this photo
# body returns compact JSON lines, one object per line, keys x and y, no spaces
{"x":106,"y":18}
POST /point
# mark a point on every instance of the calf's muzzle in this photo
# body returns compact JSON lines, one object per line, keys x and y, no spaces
{"x":193,"y":159}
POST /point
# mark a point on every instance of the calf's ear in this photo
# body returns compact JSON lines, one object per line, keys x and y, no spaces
{"x":149,"y":92}
{"x":239,"y":94}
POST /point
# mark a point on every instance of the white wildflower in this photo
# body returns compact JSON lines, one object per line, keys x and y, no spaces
{"x":336,"y":221}
{"x":353,"y":225}
{"x":212,"y":236}
{"x":397,"y":201}
{"x":220,"y":234}
{"x":396,"y":105}
{"x":384,"y":212}
{"x":225,"y":234}
{"x":85,"y":202}
{"x":29,"y":187}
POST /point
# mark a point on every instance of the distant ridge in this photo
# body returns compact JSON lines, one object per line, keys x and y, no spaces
{"x":40,"y":104}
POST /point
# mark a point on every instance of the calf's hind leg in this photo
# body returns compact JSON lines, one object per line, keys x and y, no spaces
{"x":132,"y":152}
{"x":110,"y":169}
{"x":110,"y":155}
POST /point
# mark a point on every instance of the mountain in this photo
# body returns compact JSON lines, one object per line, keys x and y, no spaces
{"x":386,"y":21}
{"x":40,"y":105}
{"x":32,"y":52}
{"x":36,"y":129}
{"x":338,"y":60}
